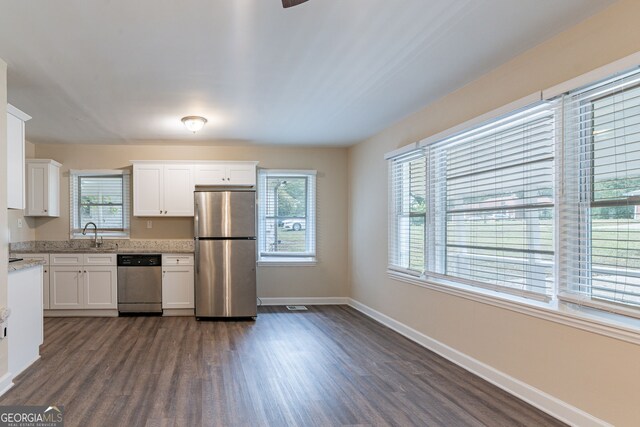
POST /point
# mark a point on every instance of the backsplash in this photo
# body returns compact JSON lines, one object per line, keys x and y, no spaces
{"x":163,"y":246}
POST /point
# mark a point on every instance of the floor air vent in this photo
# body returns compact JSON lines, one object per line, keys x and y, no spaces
{"x":296,"y":308}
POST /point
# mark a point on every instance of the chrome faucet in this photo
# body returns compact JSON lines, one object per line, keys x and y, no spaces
{"x":96,"y":244}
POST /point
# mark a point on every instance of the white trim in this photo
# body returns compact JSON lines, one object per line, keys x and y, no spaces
{"x":554,"y":312}
{"x":288,"y":172}
{"x":45,"y":161}
{"x":287,"y":262}
{"x":305,"y":301}
{"x":491,"y":115}
{"x":593,"y":76}
{"x":400,"y":151}
{"x":535,"y":397}
{"x":99,"y":172}
{"x":18,"y":113}
{"x":194,"y":162}
{"x":6,"y":383}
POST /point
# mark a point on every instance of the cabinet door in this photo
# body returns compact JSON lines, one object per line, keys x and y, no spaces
{"x":178,"y":190}
{"x":66,"y":287}
{"x":210,"y":174}
{"x":15,"y":162}
{"x":100,"y":287}
{"x":37,"y":189}
{"x":241,"y":174}
{"x":177,"y":287}
{"x":148,"y":190}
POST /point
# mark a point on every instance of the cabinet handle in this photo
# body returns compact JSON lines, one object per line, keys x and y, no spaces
{"x":160,"y":211}
{"x":79,"y":272}
{"x":45,"y":210}
{"x":165,"y":212}
{"x":85,"y":271}
{"x":45,"y":271}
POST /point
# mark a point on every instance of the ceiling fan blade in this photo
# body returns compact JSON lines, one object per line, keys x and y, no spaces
{"x":290,"y":3}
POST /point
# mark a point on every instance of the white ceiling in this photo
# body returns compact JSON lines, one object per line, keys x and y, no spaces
{"x":327,"y":72}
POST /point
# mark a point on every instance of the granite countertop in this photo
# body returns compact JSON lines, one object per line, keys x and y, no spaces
{"x":181,"y":246}
{"x":25,"y":263}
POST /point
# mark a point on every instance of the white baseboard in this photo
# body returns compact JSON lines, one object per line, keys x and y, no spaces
{"x":306,"y":301}
{"x":538,"y":398}
{"x":5,"y":383}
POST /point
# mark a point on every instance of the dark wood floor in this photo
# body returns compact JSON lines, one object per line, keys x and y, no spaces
{"x":328,"y":366}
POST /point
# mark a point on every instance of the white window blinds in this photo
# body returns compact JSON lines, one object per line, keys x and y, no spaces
{"x":286,"y":214}
{"x":492,"y":193}
{"x":101,"y":197}
{"x":477,"y":208}
{"x":407,"y":213}
{"x":600,"y":211}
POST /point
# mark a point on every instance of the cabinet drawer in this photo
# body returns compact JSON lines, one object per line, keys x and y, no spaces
{"x":42,"y":257}
{"x":99,"y":259}
{"x":176,"y":259}
{"x":66,"y":259}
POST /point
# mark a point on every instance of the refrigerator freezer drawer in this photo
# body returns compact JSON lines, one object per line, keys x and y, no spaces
{"x":226,"y":278}
{"x":225,"y":214}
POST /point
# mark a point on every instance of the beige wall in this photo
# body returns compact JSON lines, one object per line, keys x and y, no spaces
{"x":28,"y":230}
{"x":597,"y":374}
{"x":4,"y":234}
{"x":327,"y":279}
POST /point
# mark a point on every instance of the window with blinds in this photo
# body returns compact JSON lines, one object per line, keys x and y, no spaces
{"x":407,"y":215}
{"x":286,"y":215}
{"x":494,"y":189}
{"x":477,"y":208}
{"x":601,"y":194}
{"x":101,"y":197}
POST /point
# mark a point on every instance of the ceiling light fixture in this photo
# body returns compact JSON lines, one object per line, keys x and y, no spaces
{"x":194,"y":123}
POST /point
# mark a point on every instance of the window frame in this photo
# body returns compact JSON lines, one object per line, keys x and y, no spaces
{"x":607,"y":319}
{"x":309,"y":256}
{"x":76,"y":205}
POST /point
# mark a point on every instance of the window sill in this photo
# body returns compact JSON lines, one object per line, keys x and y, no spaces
{"x":584,"y":318}
{"x":287,"y":262}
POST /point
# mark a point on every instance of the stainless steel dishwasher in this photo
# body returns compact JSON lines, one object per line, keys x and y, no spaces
{"x":140,"y":283}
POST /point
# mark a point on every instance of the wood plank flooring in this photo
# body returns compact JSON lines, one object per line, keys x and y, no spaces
{"x":328,"y":366}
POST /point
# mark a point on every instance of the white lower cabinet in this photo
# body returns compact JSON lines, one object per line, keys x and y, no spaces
{"x":86,"y":281}
{"x":66,"y":283}
{"x":177,"y":282}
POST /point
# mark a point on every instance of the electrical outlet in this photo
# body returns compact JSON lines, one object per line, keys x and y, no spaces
{"x":149,"y":224}
{"x":19,"y":222}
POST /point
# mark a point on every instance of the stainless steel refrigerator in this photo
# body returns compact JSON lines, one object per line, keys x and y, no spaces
{"x":225,"y":253}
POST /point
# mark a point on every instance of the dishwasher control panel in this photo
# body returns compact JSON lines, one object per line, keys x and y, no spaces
{"x":140,"y":260}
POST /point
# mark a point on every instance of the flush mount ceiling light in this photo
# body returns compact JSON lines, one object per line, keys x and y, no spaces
{"x":194,"y":123}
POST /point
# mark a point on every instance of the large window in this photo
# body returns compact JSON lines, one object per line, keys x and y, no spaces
{"x":543,"y":202}
{"x":477,"y":207}
{"x":286,"y":215}
{"x":602,"y":192}
{"x":101,"y":197}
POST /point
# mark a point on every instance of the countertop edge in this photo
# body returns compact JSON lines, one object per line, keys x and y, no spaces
{"x":24,"y":264}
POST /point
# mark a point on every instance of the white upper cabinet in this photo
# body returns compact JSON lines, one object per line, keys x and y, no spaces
{"x":162,"y":189}
{"x":148,"y":189}
{"x":43,"y":187}
{"x":226,"y":173}
{"x":166,"y":188}
{"x":15,"y":157}
{"x":178,"y":190}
